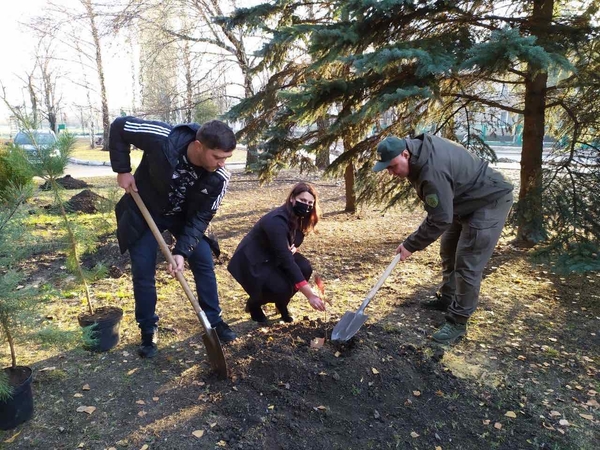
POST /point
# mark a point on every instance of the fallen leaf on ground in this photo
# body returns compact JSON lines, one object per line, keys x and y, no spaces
{"x":317,"y":343}
{"x":140,"y":402}
{"x":11,"y":439}
{"x":374,"y":370}
{"x":132,"y":371}
{"x":321,"y":407}
{"x":155,"y":399}
{"x":86,"y":409}
{"x":511,"y":414}
{"x":564,"y":422}
{"x":86,"y":387}
{"x":555,"y":414}
{"x":587,"y":416}
{"x":414,"y":434}
{"x":212,"y":425}
{"x":593,"y":403}
{"x":144,"y":447}
{"x":198,"y":433}
{"x":142,"y":413}
{"x":548,"y":427}
{"x":486,"y":422}
{"x":47,"y":369}
{"x":222,"y":444}
{"x":78,"y":395}
{"x":417,"y":393}
{"x":438,"y":448}
{"x":498,"y":426}
{"x":337,"y":354}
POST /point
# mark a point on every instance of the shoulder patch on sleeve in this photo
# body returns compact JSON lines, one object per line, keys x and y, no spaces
{"x":432,"y":200}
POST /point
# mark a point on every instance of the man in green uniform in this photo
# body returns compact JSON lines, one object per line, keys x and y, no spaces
{"x":467,"y":203}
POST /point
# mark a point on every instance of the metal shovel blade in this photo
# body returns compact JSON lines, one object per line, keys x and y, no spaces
{"x":348,"y":326}
{"x":214,"y":352}
{"x":351,"y":322}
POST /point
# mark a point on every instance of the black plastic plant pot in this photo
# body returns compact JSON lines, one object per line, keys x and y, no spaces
{"x":19,"y":407}
{"x":102,"y":328}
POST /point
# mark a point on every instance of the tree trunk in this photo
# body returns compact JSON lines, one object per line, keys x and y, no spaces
{"x":33,"y":100}
{"x":52,"y":121}
{"x":349,"y":185}
{"x":349,"y":181}
{"x":322,"y":159}
{"x":189,"y":86}
{"x":530,"y":229}
{"x":251,"y":154}
{"x":96,"y":37}
{"x":11,"y":344}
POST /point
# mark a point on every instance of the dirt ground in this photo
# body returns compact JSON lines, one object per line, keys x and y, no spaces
{"x":525,"y":377}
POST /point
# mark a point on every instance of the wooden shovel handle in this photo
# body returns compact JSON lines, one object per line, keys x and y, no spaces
{"x":379,"y":283}
{"x":169,"y":257}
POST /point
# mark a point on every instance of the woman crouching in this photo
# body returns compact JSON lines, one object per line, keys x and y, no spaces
{"x":267,"y":263}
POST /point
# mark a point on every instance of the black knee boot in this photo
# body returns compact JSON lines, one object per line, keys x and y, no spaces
{"x":256,"y":312}
{"x":283,"y":310}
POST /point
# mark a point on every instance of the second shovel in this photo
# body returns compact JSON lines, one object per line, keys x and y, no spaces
{"x":351,"y":322}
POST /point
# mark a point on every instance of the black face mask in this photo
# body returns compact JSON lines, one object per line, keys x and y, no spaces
{"x":301,"y":209}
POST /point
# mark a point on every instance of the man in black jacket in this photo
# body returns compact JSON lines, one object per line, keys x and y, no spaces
{"x":182,"y":181}
{"x":467,"y":203}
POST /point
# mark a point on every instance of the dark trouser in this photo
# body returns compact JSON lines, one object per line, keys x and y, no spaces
{"x":465,"y":249}
{"x":143,"y":269}
{"x":279,"y":289}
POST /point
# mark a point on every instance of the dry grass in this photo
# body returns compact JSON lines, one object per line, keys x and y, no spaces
{"x":534,"y":337}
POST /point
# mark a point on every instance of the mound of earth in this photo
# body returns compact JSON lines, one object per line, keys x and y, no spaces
{"x":68,"y":182}
{"x":86,"y":201}
{"x":375,"y":392}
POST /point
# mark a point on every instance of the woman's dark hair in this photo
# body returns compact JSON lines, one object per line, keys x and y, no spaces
{"x":216,"y":135}
{"x":305,"y":224}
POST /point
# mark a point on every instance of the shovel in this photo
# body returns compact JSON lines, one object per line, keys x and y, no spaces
{"x":351,"y":322}
{"x":210,"y":337}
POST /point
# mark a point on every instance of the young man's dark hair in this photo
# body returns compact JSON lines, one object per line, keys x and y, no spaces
{"x":216,"y":134}
{"x":182,"y":180}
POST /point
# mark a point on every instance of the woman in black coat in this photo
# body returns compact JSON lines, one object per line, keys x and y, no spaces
{"x":267,"y":263}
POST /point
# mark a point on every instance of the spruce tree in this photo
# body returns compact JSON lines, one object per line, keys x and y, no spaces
{"x":374,"y":68}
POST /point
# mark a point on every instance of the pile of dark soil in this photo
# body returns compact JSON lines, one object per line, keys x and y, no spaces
{"x":86,"y":201}
{"x":376,"y":392}
{"x":68,"y":182}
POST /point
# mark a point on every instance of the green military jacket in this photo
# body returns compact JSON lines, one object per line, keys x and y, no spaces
{"x":451,"y":182}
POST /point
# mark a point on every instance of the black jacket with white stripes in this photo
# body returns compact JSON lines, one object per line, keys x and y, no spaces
{"x":162,"y":145}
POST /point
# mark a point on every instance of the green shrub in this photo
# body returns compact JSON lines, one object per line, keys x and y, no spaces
{"x":15,"y":171}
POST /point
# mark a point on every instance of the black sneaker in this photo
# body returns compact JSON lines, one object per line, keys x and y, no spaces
{"x":225,"y":333}
{"x":438,"y":303}
{"x":148,"y":348}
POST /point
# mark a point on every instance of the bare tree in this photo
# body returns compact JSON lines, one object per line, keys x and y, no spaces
{"x":93,"y":27}
{"x":79,"y":30}
{"x":216,"y":34}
